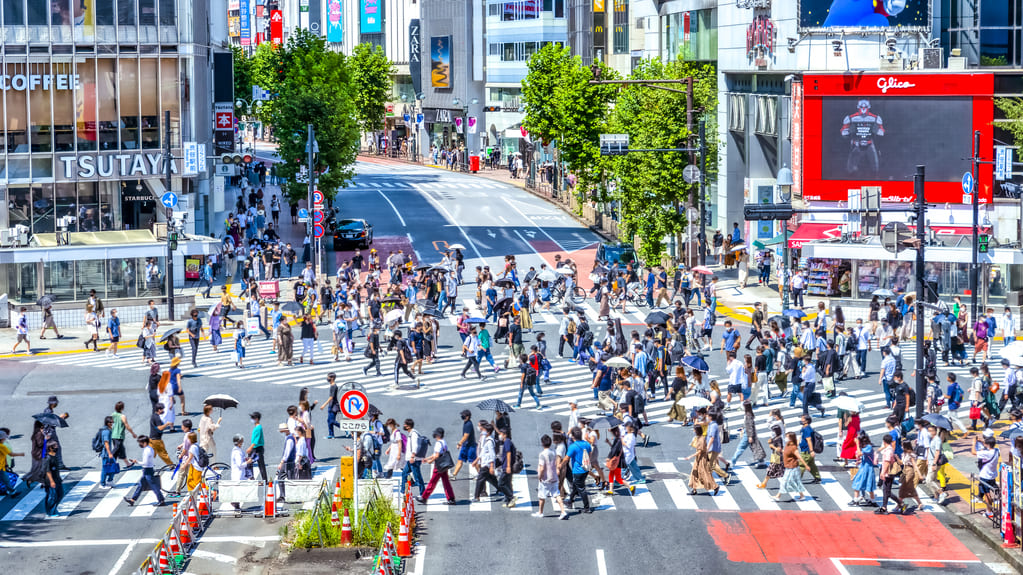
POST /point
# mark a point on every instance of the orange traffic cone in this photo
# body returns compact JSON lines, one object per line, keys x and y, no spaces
{"x":164,"y":561}
{"x":334,"y":521}
{"x":204,"y":508}
{"x":389,"y":541}
{"x":193,"y":519}
{"x":1010,"y":537}
{"x":270,"y":504}
{"x":149,"y":567}
{"x":404,"y":545}
{"x":174,"y":509}
{"x":385,"y":557}
{"x":346,"y":529}
{"x":184,"y":536}
{"x":175,"y":549}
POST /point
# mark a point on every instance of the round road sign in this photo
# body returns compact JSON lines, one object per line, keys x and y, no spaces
{"x":317,"y":197}
{"x":317,"y":231}
{"x":317,"y":217}
{"x":354,"y":404}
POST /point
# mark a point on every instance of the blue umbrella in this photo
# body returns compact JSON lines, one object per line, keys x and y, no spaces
{"x":475,"y":320}
{"x":796,"y":313}
{"x":695,"y":362}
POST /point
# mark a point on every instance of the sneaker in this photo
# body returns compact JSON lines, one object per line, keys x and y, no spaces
{"x":511,"y":503}
{"x":563,"y":516}
{"x":942,"y":498}
{"x":537,"y":514}
{"x":632,"y":489}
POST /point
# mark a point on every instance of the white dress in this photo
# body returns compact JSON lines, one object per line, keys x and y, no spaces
{"x":394,"y":452}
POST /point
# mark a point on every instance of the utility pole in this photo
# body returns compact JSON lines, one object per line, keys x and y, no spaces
{"x":313,"y":252}
{"x":167,"y":166}
{"x":703,"y":194}
{"x":974,"y":265}
{"x":921,"y":234}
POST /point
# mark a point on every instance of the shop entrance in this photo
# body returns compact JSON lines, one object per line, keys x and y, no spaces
{"x":138,"y":205}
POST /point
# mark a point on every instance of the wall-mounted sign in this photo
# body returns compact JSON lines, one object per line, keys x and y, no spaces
{"x":335,"y":32}
{"x":760,"y":36}
{"x":94,"y":166}
{"x":440,"y":62}
{"x":23,"y":82}
{"x":244,"y":23}
{"x":415,"y":65}
{"x":753,"y":3}
{"x":370,"y":17}
{"x":276,"y":27}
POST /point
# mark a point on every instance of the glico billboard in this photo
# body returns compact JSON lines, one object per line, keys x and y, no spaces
{"x":873,"y":129}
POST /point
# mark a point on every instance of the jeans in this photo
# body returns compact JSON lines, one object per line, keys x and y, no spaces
{"x":797,"y":297}
{"x":794,"y":394}
{"x":579,"y":488}
{"x":472,"y":363}
{"x":53,"y":497}
{"x":208,"y":284}
{"x":886,"y":386}
{"x":258,"y":454}
{"x":7,"y":483}
{"x":743,"y":445}
{"x":485,"y":354}
{"x":524,"y":387}
{"x":399,"y":366}
{"x":807,"y":397}
{"x":504,"y":484}
{"x":194,"y":343}
{"x":635,"y":471}
{"x":417,"y":475}
{"x":331,"y":422}
{"x":861,"y":359}
{"x":374,"y":362}
{"x":765,"y":274}
{"x":148,"y":482}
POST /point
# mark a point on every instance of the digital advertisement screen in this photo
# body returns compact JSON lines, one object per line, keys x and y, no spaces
{"x":864,"y":13}
{"x":884,"y":138}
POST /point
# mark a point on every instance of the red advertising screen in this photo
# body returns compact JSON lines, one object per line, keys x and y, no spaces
{"x":874,"y":129}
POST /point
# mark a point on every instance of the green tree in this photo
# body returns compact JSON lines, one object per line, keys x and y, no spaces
{"x":312,"y":85}
{"x":242,"y":76}
{"x":371,"y":81}
{"x":1013,"y":110}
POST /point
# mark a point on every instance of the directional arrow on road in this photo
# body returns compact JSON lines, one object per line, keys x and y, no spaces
{"x":491,"y":233}
{"x":530,"y":233}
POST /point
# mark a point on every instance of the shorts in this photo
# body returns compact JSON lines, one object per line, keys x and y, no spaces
{"x":467,"y":453}
{"x":117,"y":448}
{"x":981,"y":345}
{"x":23,"y":337}
{"x":547,"y":490}
{"x":708,"y":332}
{"x":734,"y":389}
{"x":985,"y":486}
{"x":115,"y":339}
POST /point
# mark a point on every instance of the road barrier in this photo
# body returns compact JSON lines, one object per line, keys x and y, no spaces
{"x":390,"y":557}
{"x":188,"y":522}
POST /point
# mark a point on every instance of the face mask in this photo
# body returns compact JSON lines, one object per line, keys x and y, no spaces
{"x":254,"y":421}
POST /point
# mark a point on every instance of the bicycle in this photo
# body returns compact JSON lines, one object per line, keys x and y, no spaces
{"x":633,"y":294}
{"x":558,"y":293}
{"x":212,"y":473}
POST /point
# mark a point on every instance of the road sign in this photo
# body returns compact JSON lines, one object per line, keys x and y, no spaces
{"x":317,"y":197}
{"x":317,"y":217}
{"x":691,"y":174}
{"x":354,"y":404}
{"x":614,"y":144}
{"x":354,"y":425}
{"x":894,"y":236}
{"x":303,"y":213}
{"x":968,"y":183}
{"x":419,"y":118}
{"x":169,"y":199}
{"x":317,"y":231}
{"x":407,"y":118}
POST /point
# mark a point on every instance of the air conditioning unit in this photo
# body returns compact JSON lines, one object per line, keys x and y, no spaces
{"x":7,"y":237}
{"x":957,"y":62}
{"x":930,"y":58}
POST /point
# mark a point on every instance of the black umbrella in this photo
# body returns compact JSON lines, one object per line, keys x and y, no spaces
{"x":221,"y":401}
{"x":46,"y":301}
{"x":50,"y":419}
{"x":494,"y":405}
{"x":423,"y":268}
{"x":373,"y":410}
{"x":169,"y":333}
{"x":529,"y":276}
{"x":657,"y":318}
{"x":434,"y":312}
{"x":391,"y":299}
{"x":502,"y":305}
{"x":292,"y":307}
{"x":504,"y":282}
{"x":440,"y":269}
{"x":605,"y":422}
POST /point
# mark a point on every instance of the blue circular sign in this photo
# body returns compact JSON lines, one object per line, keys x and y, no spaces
{"x":303,"y":213}
{"x":169,"y":199}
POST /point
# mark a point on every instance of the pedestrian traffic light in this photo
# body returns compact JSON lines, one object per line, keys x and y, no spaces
{"x":172,"y":238}
{"x":982,"y":243}
{"x":753,"y":212}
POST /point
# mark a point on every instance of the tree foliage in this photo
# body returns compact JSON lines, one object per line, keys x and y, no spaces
{"x":311,"y":85}
{"x":1013,"y":110}
{"x":371,"y":78}
{"x":242,"y":76}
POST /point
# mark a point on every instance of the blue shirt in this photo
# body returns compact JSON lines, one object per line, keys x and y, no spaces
{"x":714,"y":437}
{"x":805,"y":435}
{"x":736,"y":236}
{"x":639,"y":363}
{"x":951,"y":392}
{"x":605,"y":378}
{"x":576,"y":452}
{"x":114,"y":325}
{"x":896,"y":440}
{"x":888,"y":368}
{"x":278,"y":316}
{"x":730,"y":336}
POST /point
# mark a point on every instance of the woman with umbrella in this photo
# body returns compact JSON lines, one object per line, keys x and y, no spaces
{"x":172,"y":344}
{"x":206,"y":428}
{"x":36,"y":474}
{"x":215,"y":323}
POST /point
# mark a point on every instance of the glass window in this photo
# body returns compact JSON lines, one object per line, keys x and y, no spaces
{"x":18,"y":168}
{"x":109,"y":206}
{"x":42,"y":167}
{"x":28,"y":283}
{"x":620,"y":37}
{"x":529,"y":50}
{"x":19,"y":206}
{"x":509,"y":52}
{"x":17,"y":110}
{"x":106,"y":91}
{"x":90,"y":276}
{"x":169,"y":95}
{"x":85,"y":108}
{"x":147,"y":12}
{"x":121,"y":278}
{"x":84,"y":20}
{"x":14,"y":12}
{"x":150,"y":110}
{"x":150,"y":280}
{"x":39,"y":109}
{"x":548,"y":5}
{"x":42,"y":209}
{"x":900,"y":276}
{"x":167,"y":13}
{"x":67,"y":203}
{"x":59,"y":280}
{"x":127,"y":32}
{"x":64,"y":111}
{"x":88,"y":207}
{"x":559,"y":8}
{"x":129,"y":102}
{"x":38,"y":19}
{"x":868,"y":277}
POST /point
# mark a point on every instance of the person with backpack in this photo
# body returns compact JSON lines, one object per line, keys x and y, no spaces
{"x":403,"y":357}
{"x":416,"y":450}
{"x":508,"y":463}
{"x":987,"y":462}
{"x":578,"y":454}
{"x":527,"y":380}
{"x":810,"y":444}
{"x":980,"y":330}
{"x":442,"y":462}
{"x":566,"y":333}
{"x":903,"y":397}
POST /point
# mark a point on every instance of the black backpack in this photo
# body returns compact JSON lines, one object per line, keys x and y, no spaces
{"x":638,"y":402}
{"x":97,"y":440}
{"x":912,"y":396}
{"x":203,"y":459}
{"x":817,"y":441}
{"x":517,"y":463}
{"x":422,"y":446}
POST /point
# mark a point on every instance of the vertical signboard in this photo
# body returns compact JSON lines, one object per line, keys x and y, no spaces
{"x":599,"y":29}
{"x":415,"y":64}
{"x":314,"y":17}
{"x":245,"y":25}
{"x":191,"y":163}
{"x":440,"y":62}
{"x":370,"y":17}
{"x":276,"y":27}
{"x":796,"y":139}
{"x":335,"y":32}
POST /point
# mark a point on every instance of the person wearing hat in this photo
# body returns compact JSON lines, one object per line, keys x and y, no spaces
{"x":175,"y":378}
{"x":51,"y":432}
{"x":441,"y":460}
{"x":467,"y":444}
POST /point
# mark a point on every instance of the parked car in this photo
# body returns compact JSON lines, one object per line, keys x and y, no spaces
{"x":348,"y":232}
{"x":620,"y":253}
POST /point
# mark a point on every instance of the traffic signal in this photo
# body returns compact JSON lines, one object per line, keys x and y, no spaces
{"x":982,"y":243}
{"x":239,"y":159}
{"x":172,"y":237}
{"x":492,"y":109}
{"x":754,"y":212}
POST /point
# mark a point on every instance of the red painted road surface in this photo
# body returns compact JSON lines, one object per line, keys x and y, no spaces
{"x":807,"y":542}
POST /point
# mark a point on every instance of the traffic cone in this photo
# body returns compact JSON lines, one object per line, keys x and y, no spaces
{"x":204,"y":508}
{"x":184,"y":536}
{"x":1010,"y":537}
{"x":193,"y":520}
{"x":346,"y":530}
{"x":149,"y":567}
{"x":174,"y":510}
{"x":175,"y":549}
{"x":270,"y":504}
{"x":404,"y":545}
{"x":385,"y":558}
{"x":164,"y":560}
{"x":389,"y":541}
{"x":334,"y":521}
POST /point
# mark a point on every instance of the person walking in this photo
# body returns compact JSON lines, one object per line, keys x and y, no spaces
{"x":157,"y":427}
{"x":579,"y":455}
{"x":52,"y":481}
{"x":891,"y":468}
{"x":402,"y":358}
{"x":506,"y":456}
{"x":108,"y":455}
{"x":241,"y":465}
{"x":866,"y":477}
{"x":194,"y":329}
{"x":466,"y":444}
{"x":113,"y":332}
{"x":416,"y":449}
{"x":5,"y":453}
{"x":309,"y":336}
{"x":206,"y":428}
{"x":117,"y":430}
{"x":485,"y":463}
{"x":373,"y":351}
{"x":701,"y":477}
{"x":48,"y":323}
{"x":748,"y":438}
{"x":150,"y":481}
{"x":775,"y":467}
{"x":790,"y":483}
{"x":547,"y":478}
{"x":441,"y":460}
{"x":807,"y":440}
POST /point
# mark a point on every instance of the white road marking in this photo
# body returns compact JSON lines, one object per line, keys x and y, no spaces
{"x":601,"y":564}
{"x":836,"y":492}
{"x":219,"y":557}
{"x":75,"y":496}
{"x":520,"y":486}
{"x":393,"y":207}
{"x":750,"y":481}
{"x":420,"y":560}
{"x":124,"y":557}
{"x":677,"y":488}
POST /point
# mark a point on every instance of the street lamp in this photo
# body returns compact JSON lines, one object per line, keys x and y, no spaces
{"x":250,"y":108}
{"x":785,"y":183}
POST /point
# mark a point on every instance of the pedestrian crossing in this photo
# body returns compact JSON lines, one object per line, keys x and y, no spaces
{"x":667,"y":489}
{"x":84,"y":498}
{"x":435,"y":185}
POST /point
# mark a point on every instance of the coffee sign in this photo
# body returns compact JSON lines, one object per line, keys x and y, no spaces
{"x":23,"y":82}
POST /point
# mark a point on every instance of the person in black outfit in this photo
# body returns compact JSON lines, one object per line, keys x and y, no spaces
{"x":373,"y":352}
{"x":402,"y":358}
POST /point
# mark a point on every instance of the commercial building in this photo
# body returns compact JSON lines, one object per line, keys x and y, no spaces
{"x":85,"y":88}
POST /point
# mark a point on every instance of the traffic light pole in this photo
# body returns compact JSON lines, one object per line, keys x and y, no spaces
{"x":167,"y":159}
{"x":703,"y":193}
{"x":313,"y":251}
{"x":921,"y":235}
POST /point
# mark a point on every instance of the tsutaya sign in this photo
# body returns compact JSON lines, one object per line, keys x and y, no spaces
{"x":22,"y":82}
{"x":95,"y":166}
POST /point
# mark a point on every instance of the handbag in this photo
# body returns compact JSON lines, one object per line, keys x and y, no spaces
{"x":140,"y":342}
{"x":975,"y":412}
{"x":895,"y":467}
{"x":444,"y":461}
{"x":613,"y":463}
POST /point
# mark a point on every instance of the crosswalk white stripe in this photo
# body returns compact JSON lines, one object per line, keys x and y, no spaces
{"x":115,"y":495}
{"x":506,"y":388}
{"x":761,"y":497}
{"x":677,"y":488}
{"x":28,"y":502}
{"x":601,"y":502}
{"x":930,"y":504}
{"x":520,"y":485}
{"x":74,"y":497}
{"x":808,"y":505}
{"x":724,"y":499}
{"x":146,"y":506}
{"x":643,"y":499}
{"x":836,"y":492}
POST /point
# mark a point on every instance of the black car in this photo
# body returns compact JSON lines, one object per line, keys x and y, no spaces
{"x":347,"y":232}
{"x":620,"y":253}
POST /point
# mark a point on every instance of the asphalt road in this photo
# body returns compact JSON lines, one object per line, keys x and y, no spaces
{"x":657,"y":529}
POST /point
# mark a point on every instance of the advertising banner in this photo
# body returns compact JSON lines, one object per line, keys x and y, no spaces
{"x":192,"y":266}
{"x":415,"y":53}
{"x":370,"y":22}
{"x":246,"y":28}
{"x":796,"y":136}
{"x":440,"y":62}
{"x":859,"y":14}
{"x":314,"y":17}
{"x":276,"y":27}
{"x":335,"y":32}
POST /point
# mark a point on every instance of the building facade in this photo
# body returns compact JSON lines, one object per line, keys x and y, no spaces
{"x":85,"y":91}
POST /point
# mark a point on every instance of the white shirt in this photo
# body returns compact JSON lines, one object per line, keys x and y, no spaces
{"x":629,"y":447}
{"x":237,"y":464}
{"x":410,"y":446}
{"x":148,"y":457}
{"x":440,"y":447}
{"x":573,"y":418}
{"x":736,"y":372}
{"x":486,"y":452}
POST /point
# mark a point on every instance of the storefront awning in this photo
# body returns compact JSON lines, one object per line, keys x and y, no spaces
{"x":809,"y":232}
{"x":957,"y":230}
